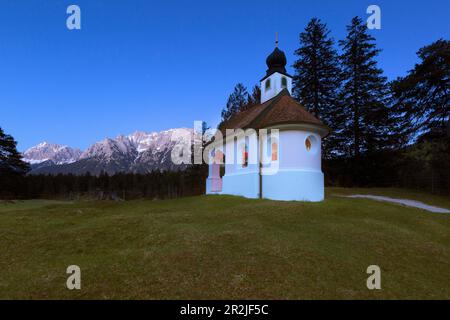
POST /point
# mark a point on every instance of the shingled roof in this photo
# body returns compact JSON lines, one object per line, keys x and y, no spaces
{"x":281,"y":109}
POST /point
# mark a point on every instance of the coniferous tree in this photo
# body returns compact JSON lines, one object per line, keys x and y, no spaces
{"x":316,"y":81}
{"x":254,"y":98}
{"x":10,"y":159}
{"x":236,"y":102}
{"x":365,"y":95}
{"x":423,"y":96}
{"x":12,"y":168}
{"x":422,"y":105}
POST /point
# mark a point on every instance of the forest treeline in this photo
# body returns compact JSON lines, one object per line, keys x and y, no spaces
{"x":121,"y":186}
{"x":384,"y":134}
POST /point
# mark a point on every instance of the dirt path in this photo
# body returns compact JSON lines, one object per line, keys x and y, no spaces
{"x":406,"y":202}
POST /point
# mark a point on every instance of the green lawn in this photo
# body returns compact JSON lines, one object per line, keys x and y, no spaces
{"x":223,"y":247}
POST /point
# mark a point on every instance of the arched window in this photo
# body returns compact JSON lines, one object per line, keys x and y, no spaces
{"x":284,"y":82}
{"x":267,"y":84}
{"x":245,"y":153}
{"x":272,"y":149}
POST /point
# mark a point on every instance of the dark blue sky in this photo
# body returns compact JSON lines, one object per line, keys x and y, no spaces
{"x":155,"y":65}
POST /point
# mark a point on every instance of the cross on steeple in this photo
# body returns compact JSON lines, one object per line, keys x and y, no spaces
{"x":276,"y":39}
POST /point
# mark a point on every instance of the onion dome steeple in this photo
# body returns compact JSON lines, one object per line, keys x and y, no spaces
{"x":276,"y":62}
{"x":276,"y":78}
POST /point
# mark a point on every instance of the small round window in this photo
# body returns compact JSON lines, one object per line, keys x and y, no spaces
{"x":311,"y":144}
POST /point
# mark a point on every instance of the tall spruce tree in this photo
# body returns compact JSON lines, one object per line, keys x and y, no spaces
{"x":10,"y":159}
{"x":236,"y":102}
{"x":317,"y":80}
{"x":12,"y":168}
{"x":422,"y":98}
{"x":365,"y":95}
{"x":254,"y":98}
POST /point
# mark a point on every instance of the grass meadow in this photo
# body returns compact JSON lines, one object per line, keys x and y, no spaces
{"x":224,"y":247}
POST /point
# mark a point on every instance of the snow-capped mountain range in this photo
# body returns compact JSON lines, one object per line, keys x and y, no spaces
{"x":49,"y":151}
{"x":139,"y":152}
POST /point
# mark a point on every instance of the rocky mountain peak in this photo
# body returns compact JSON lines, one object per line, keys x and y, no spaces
{"x":45,"y":151}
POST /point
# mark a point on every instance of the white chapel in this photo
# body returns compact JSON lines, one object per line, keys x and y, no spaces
{"x":273,"y":149}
